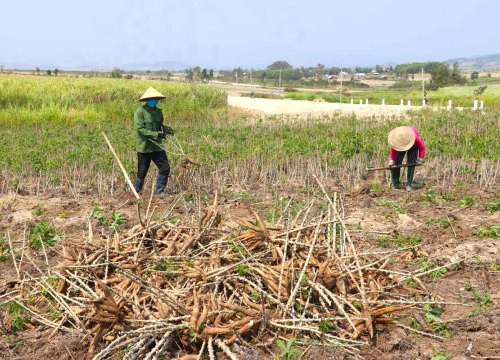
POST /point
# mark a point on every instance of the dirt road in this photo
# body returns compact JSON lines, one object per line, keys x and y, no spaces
{"x":277,"y":106}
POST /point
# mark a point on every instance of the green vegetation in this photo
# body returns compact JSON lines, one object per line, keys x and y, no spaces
{"x":114,"y":223}
{"x":482,"y":298}
{"x":394,"y":204}
{"x":4,"y":248}
{"x":461,"y":96}
{"x":68,"y":115}
{"x":488,"y":231}
{"x":442,"y":223}
{"x":288,"y":350}
{"x":242,"y":269}
{"x":325,"y":326}
{"x":432,"y":317}
{"x":43,"y":234}
{"x":168,"y":267}
{"x":440,"y":355}
{"x":433,"y":196}
{"x":400,"y":241}
{"x":466,"y":202}
{"x":17,"y":315}
{"x":38,"y":211}
{"x":428,"y":265}
{"x":376,"y":187}
{"x":494,"y":205}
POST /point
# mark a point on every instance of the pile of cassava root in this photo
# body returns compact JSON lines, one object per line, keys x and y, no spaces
{"x":173,"y":289}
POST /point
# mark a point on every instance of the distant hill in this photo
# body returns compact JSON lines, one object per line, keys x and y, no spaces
{"x":478,"y":63}
{"x":161,"y":65}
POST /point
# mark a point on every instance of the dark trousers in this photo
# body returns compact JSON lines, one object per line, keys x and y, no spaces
{"x":161,"y":161}
{"x":411,"y":158}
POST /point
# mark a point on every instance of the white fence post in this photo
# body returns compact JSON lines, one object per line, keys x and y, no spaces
{"x":402,"y":102}
{"x":383,"y":102}
{"x":360,"y":102}
{"x":366,"y":101}
{"x":352,"y":101}
{"x":475,"y":105}
{"x":481,"y":105}
{"x":409,"y":102}
{"x":449,"y":105}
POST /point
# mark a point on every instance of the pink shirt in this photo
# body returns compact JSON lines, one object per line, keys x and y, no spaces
{"x":418,"y":141}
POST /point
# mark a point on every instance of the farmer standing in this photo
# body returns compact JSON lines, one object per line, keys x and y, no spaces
{"x":150,"y":132}
{"x":405,"y":141}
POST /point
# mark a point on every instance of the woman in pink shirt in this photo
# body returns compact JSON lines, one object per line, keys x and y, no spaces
{"x":405,"y":141}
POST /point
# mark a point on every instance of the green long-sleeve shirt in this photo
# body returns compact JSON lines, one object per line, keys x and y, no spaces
{"x":147,"y":123}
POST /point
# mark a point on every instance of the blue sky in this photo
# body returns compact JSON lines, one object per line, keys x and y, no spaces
{"x":224,"y":34}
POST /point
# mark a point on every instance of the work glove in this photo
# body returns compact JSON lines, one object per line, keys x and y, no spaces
{"x":391,"y":162}
{"x":420,"y":161}
{"x":162,"y":135}
{"x":168,"y":130}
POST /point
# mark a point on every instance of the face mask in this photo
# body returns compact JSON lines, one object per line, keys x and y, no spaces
{"x":152,"y":102}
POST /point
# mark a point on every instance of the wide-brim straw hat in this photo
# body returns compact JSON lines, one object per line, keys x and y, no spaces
{"x":401,"y":138}
{"x":152,"y":93}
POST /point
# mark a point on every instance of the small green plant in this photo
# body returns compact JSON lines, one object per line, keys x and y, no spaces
{"x":325,"y":326}
{"x":168,"y":267}
{"x":383,"y":241}
{"x":4,"y":251}
{"x":493,"y":205}
{"x":404,"y":241}
{"x":438,"y":326}
{"x":443,"y":223}
{"x":440,"y":355}
{"x":43,"y":234}
{"x":288,"y":350}
{"x":399,"y":241}
{"x":98,"y":214}
{"x":495,"y":267}
{"x":432,"y":196}
{"x":242,"y":269}
{"x":411,"y":283}
{"x":429,"y":265}
{"x":394,"y":204}
{"x":482,"y":298}
{"x":467,"y":201}
{"x":17,"y":315}
{"x":376,"y":187}
{"x":117,"y":219}
{"x":414,"y":324}
{"x":488,"y":231}
{"x":37,"y":211}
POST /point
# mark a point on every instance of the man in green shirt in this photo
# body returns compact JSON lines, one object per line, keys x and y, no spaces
{"x":150,"y":132}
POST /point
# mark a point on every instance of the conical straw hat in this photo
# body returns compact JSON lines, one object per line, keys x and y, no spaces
{"x":401,"y":138}
{"x":152,"y":94}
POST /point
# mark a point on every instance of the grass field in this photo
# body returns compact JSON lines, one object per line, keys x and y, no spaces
{"x":462,"y":96}
{"x":53,"y":135}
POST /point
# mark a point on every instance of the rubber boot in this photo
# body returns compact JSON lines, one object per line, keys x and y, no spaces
{"x":409,"y":178}
{"x":138,"y":185}
{"x":395,"y":173}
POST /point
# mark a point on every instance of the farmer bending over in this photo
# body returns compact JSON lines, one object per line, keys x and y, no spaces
{"x":150,"y":132}
{"x":405,"y":140}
